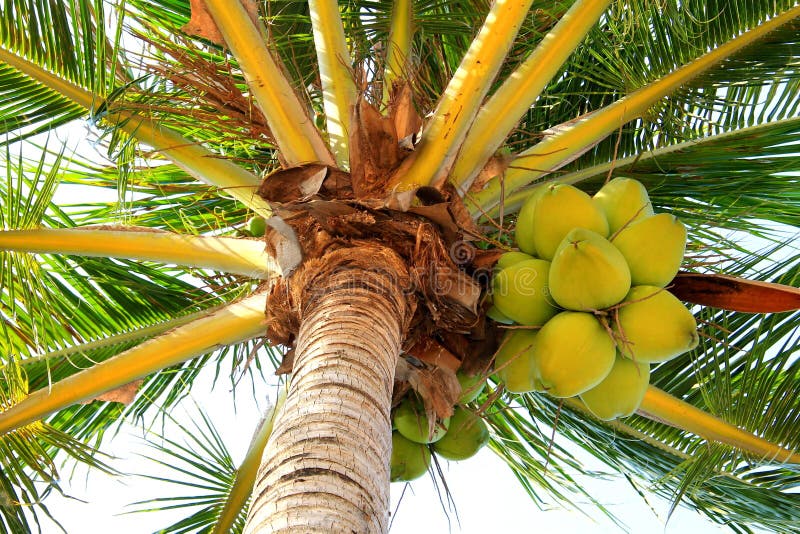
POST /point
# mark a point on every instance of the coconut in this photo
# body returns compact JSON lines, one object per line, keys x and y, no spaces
{"x":409,"y":460}
{"x":412,"y":422}
{"x":466,"y":435}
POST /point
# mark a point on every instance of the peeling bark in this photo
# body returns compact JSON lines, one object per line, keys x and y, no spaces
{"x":326,"y":467}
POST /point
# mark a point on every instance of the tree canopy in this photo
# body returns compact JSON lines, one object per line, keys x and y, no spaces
{"x":697,"y":100}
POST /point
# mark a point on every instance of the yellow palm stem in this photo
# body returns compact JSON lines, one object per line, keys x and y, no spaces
{"x":512,"y":202}
{"x":118,"y":339}
{"x":661,"y":406}
{"x":445,"y":132}
{"x":248,"y":469}
{"x":71,"y":91}
{"x":247,"y":257}
{"x":512,"y":100}
{"x":338,"y":86}
{"x":196,"y":160}
{"x":399,"y":46}
{"x":235,"y":323}
{"x":571,"y":141}
{"x":294,"y":132}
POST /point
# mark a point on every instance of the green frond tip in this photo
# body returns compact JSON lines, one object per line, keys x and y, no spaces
{"x":235,"y":323}
{"x":661,"y":406}
{"x":190,"y":156}
{"x":246,"y":474}
{"x":578,"y":136}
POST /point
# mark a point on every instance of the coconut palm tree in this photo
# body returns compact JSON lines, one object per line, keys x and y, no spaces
{"x":387,"y":147}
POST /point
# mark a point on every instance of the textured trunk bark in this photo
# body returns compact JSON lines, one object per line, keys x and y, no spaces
{"x":326,"y":467}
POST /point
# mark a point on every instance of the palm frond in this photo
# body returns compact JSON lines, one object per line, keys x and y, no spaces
{"x":66,"y":39}
{"x":569,"y":141}
{"x":544,"y":467}
{"x":398,"y":55}
{"x":237,"y":256}
{"x":166,"y":198}
{"x":336,"y":75}
{"x":237,"y":503}
{"x":61,"y":36}
{"x":127,"y":126}
{"x":29,"y":471}
{"x":235,"y":323}
{"x":754,"y":85}
{"x":502,"y":112}
{"x":444,"y":134}
{"x":733,"y":182}
{"x":28,"y":109}
{"x":52,"y":303}
{"x":200,"y":463}
{"x":197,"y":460}
{"x":296,"y":135}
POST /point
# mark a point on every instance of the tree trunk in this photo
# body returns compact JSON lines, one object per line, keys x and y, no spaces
{"x":326,"y":467}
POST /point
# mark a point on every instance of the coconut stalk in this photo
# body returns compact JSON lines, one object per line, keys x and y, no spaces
{"x":398,"y":50}
{"x":338,"y":86}
{"x":659,"y":405}
{"x":246,"y":257}
{"x":501,"y":114}
{"x":573,"y":140}
{"x":235,"y":323}
{"x":445,"y":132}
{"x":193,"y":158}
{"x":246,"y":473}
{"x":295,"y":134}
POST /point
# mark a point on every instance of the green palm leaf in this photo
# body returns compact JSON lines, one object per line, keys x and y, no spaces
{"x":198,"y":461}
{"x":64,"y":38}
{"x":757,"y":84}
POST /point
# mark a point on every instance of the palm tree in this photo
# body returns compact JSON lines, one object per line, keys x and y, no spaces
{"x":378,"y":236}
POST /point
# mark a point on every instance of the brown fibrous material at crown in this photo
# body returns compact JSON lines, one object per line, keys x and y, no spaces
{"x":343,"y":220}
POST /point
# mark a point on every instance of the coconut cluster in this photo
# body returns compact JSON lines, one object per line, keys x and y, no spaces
{"x":415,"y":438}
{"x":591,"y":275}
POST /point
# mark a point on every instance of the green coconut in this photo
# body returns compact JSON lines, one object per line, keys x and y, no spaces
{"x":654,"y":326}
{"x":588,"y":272}
{"x":412,"y":422}
{"x":621,"y":392}
{"x":559,"y":210}
{"x":510,"y":258}
{"x":514,"y":363}
{"x":471,"y":386}
{"x":520,"y":292}
{"x":257,"y":226}
{"x":466,"y":435}
{"x":623,"y":200}
{"x":572,"y":354}
{"x":409,"y":460}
